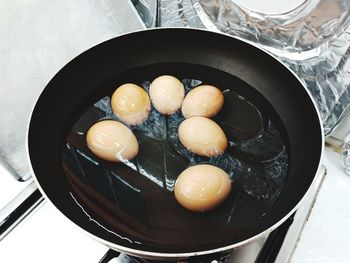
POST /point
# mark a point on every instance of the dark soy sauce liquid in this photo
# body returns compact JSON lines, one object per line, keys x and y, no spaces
{"x":134,"y":200}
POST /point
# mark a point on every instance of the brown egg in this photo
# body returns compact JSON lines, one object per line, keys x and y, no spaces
{"x":204,"y":100}
{"x":202,"y":187}
{"x":167,"y":94}
{"x":202,"y":136}
{"x":112,"y":141}
{"x":131,"y":104}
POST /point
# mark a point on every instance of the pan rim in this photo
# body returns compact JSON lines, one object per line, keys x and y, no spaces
{"x":165,"y":255}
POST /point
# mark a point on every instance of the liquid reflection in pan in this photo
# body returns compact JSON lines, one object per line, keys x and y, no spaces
{"x":142,"y":189}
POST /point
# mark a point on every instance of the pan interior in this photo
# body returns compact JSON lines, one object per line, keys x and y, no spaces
{"x":134,"y":202}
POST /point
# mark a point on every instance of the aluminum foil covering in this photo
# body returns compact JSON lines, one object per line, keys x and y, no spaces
{"x":313,"y":40}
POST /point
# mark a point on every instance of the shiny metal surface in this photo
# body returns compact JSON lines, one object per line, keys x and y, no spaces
{"x":10,"y":217}
{"x":41,"y":37}
{"x":311,"y":39}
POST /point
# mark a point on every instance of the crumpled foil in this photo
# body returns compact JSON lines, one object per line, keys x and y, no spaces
{"x":313,"y":40}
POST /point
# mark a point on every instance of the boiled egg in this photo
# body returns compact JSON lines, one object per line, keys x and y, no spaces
{"x":112,"y":141}
{"x":202,"y":187}
{"x":202,"y":136}
{"x":167,"y":94}
{"x":131,"y":104}
{"x":204,"y":100}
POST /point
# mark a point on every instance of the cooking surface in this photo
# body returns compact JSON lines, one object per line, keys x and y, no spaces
{"x":43,"y":36}
{"x":235,"y":59}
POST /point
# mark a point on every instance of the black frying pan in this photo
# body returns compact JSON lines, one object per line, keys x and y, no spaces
{"x":133,"y":214}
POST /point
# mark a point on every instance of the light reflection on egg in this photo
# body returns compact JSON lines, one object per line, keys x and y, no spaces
{"x":202,"y":187}
{"x":202,"y":136}
{"x":204,"y":100}
{"x":167,"y":94}
{"x":112,"y":141}
{"x":131,"y":104}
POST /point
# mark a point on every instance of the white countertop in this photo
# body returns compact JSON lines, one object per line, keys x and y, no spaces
{"x":326,"y":235}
